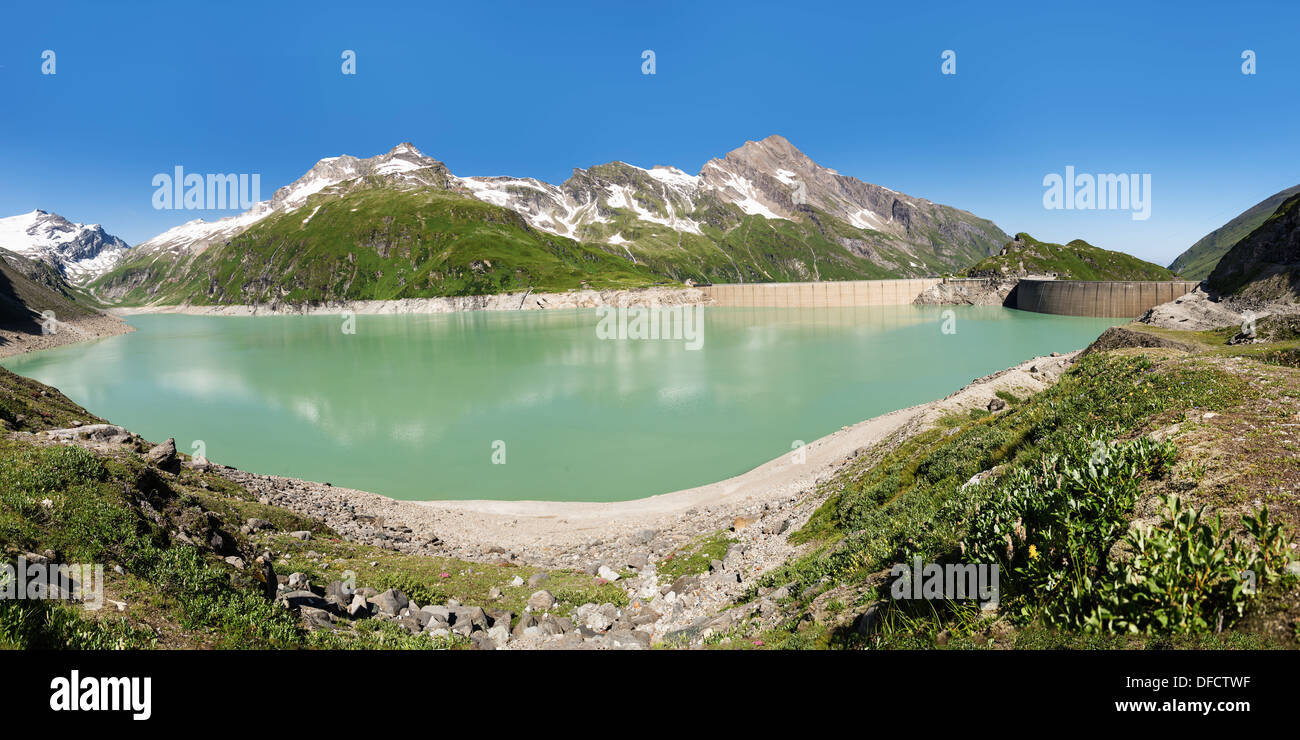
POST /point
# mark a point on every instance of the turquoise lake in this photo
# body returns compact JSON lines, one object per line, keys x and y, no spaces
{"x":419,"y":406}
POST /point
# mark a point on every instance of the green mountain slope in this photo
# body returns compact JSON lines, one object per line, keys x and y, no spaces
{"x":373,"y":244}
{"x":1199,"y":260}
{"x":401,"y":225}
{"x":1265,"y":264}
{"x":28,"y":288}
{"x":1077,"y":260}
{"x":377,"y":243}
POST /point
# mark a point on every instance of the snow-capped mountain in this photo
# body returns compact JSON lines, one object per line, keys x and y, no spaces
{"x":403,"y":166}
{"x":768,"y":178}
{"x":763,"y":212}
{"x":81,"y":252}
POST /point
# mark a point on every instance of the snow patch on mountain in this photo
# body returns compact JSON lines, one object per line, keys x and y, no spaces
{"x":80,"y":251}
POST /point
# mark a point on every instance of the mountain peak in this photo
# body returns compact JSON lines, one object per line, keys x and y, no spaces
{"x":79,"y":251}
{"x":405,"y":147}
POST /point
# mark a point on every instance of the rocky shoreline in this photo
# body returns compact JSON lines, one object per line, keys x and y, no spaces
{"x":968,"y":292}
{"x":756,"y":511}
{"x":527,"y":301}
{"x":83,"y":329}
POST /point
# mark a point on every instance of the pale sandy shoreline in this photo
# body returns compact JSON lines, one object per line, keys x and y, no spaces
{"x":527,"y":301}
{"x":574,"y":532}
{"x":83,"y":329}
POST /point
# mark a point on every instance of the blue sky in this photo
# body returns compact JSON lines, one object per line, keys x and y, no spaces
{"x":537,"y":88}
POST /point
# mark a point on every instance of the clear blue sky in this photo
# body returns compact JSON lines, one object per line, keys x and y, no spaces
{"x":537,"y":88}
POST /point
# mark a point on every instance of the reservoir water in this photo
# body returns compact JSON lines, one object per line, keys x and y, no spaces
{"x":531,"y":404}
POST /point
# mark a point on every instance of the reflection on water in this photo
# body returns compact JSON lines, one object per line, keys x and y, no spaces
{"x":410,"y":406}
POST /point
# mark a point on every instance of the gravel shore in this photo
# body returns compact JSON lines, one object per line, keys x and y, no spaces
{"x":529,"y":301}
{"x":770,"y":499}
{"x":82,"y":329}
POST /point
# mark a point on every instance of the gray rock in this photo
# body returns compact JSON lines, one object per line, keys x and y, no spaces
{"x":315,"y":618}
{"x":359,"y":607}
{"x":629,"y":640}
{"x":643,"y":537}
{"x":439,"y":612}
{"x":338,"y":593}
{"x":499,"y":634}
{"x":725,"y":578}
{"x":299,"y":599}
{"x":164,"y":456}
{"x":301,"y":534}
{"x":538,"y":578}
{"x":237,"y":562}
{"x":526,"y":622}
{"x":541,"y":601}
{"x":608,"y":573}
{"x":391,"y":602}
{"x":471,"y":615}
{"x":683,"y":585}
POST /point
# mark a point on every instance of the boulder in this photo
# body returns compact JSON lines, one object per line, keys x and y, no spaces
{"x":339,"y":594}
{"x":684,"y":585}
{"x":163,"y":456}
{"x":391,"y":602}
{"x":541,"y":601}
{"x":629,"y":639}
{"x":299,"y":599}
{"x":316,"y":618}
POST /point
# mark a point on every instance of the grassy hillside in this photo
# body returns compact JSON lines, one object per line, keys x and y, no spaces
{"x":1265,"y":264}
{"x":375,"y":244}
{"x":29,"y":288}
{"x":1199,"y":260}
{"x":1099,"y":501}
{"x":736,"y":247}
{"x":1077,"y":260}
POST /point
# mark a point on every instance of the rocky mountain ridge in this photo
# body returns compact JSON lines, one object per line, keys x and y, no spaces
{"x":80,"y":252}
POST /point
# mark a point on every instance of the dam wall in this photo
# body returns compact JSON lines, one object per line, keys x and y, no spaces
{"x":1104,"y":298}
{"x":1101,"y":298}
{"x":826,"y":294}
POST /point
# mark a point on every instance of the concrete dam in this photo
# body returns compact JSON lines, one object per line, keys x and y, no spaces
{"x":1117,"y":299}
{"x":1111,"y":298}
